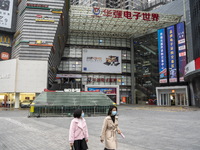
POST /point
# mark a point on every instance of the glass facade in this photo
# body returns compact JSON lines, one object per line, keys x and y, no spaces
{"x":146,"y":67}
{"x":72,"y":64}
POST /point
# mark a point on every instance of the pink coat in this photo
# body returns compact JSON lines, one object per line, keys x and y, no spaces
{"x":78,"y":130}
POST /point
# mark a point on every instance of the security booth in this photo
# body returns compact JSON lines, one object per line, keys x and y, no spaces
{"x":172,"y":96}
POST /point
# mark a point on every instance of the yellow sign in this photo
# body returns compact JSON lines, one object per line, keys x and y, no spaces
{"x":57,"y":11}
{"x":44,"y":20}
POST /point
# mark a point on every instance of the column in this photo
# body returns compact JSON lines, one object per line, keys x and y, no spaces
{"x":16,"y":100}
{"x":133,"y":100}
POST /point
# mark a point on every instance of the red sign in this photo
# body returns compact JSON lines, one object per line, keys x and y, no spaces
{"x":37,"y":5}
{"x":127,"y":14}
{"x":197,"y":63}
{"x":5,"y":56}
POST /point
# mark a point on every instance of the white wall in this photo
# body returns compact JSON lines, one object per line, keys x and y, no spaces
{"x":31,"y":76}
{"x":7,"y":75}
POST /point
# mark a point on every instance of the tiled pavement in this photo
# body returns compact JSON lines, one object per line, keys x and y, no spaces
{"x":145,"y":128}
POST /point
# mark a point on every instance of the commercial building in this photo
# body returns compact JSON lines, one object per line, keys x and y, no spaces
{"x":85,"y":48}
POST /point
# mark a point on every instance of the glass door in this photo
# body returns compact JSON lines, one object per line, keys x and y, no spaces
{"x":165,"y":100}
{"x":181,"y":99}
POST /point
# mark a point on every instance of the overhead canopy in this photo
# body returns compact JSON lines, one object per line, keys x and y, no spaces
{"x":105,"y":22}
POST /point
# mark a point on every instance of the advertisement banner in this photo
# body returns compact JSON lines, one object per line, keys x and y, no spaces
{"x":99,"y":60}
{"x":172,"y":54}
{"x":162,"y":56}
{"x":6,"y":12}
{"x":104,"y":90}
{"x":181,"y":50}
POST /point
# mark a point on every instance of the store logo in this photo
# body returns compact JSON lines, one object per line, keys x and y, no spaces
{"x":96,"y":10}
{"x":5,"y":56}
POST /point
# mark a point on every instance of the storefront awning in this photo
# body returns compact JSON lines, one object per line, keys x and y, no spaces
{"x":105,"y":22}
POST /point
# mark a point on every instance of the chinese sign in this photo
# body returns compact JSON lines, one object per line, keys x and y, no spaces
{"x":181,"y":50}
{"x":104,"y":90}
{"x":6,"y":11}
{"x":172,"y":54}
{"x":162,"y":56}
{"x":146,"y":16}
{"x":37,"y":5}
{"x":90,"y":79}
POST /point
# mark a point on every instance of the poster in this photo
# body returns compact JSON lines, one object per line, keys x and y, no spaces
{"x":6,"y":12}
{"x":162,"y":56}
{"x":181,"y":50}
{"x":172,"y":61}
{"x":101,"y":60}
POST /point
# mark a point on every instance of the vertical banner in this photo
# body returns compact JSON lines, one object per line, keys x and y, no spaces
{"x":162,"y":56}
{"x":172,"y":54}
{"x":181,"y":50}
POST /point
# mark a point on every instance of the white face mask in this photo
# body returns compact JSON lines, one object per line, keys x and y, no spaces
{"x":82,"y":115}
{"x":114,"y":113}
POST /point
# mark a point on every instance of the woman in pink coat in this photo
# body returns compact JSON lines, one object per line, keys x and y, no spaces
{"x":109,"y":129}
{"x":78,"y":132}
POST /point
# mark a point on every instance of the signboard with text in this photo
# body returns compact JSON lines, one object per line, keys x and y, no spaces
{"x":172,"y":64}
{"x":181,"y":49}
{"x":162,"y":56}
{"x":137,"y":15}
{"x":104,"y":90}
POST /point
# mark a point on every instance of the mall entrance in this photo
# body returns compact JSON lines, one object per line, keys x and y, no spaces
{"x":172,"y":96}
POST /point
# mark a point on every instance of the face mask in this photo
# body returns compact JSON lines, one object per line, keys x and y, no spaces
{"x":82,"y":115}
{"x":114,"y":113}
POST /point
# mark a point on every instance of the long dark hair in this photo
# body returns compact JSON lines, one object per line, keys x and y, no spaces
{"x":77,"y":113}
{"x":110,"y":110}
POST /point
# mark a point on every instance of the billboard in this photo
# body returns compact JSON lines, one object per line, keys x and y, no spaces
{"x":8,"y":10}
{"x":104,"y":90}
{"x":101,"y":60}
{"x":181,"y":50}
{"x":172,"y":64}
{"x":162,"y":56}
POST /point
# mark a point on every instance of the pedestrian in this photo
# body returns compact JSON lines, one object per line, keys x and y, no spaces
{"x":78,"y":132}
{"x":109,"y":129}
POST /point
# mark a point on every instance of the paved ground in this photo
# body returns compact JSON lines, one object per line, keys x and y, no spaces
{"x":145,"y":128}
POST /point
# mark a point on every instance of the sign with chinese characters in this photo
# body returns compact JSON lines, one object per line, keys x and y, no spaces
{"x":104,"y":90}
{"x":101,"y":60}
{"x":172,"y":64}
{"x":6,"y":12}
{"x":146,"y":16}
{"x":90,"y":79}
{"x":37,"y":5}
{"x":162,"y":56}
{"x":181,"y":49}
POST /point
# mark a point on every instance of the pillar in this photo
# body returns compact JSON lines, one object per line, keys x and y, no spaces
{"x":16,"y":100}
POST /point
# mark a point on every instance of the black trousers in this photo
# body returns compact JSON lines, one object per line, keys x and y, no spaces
{"x":108,"y":149}
{"x":80,"y":145}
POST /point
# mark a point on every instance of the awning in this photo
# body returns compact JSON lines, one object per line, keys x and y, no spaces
{"x":105,"y":22}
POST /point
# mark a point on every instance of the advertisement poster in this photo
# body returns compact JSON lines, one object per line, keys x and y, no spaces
{"x":172,"y":54}
{"x":101,"y":60}
{"x":6,"y":12}
{"x":162,"y":56}
{"x":104,"y":90}
{"x":181,"y":50}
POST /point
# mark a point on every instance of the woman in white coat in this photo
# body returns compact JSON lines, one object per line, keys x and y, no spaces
{"x":109,"y":129}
